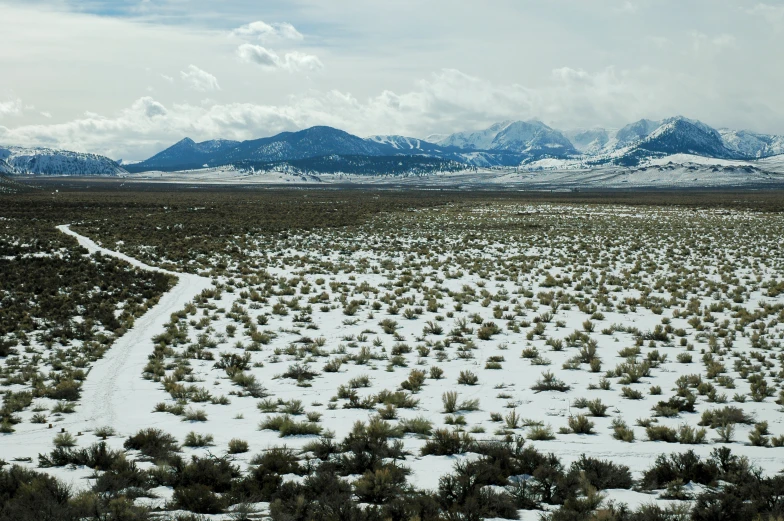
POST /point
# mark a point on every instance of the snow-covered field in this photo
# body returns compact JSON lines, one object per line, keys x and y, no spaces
{"x":671,"y":172}
{"x":643,"y":318}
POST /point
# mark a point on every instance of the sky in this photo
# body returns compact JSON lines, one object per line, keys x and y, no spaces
{"x":128,"y":78}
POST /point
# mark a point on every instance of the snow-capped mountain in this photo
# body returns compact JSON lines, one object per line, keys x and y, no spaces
{"x":408,"y":144}
{"x":751,"y":144}
{"x":5,"y":168}
{"x":509,"y":143}
{"x":589,"y":141}
{"x":47,"y":161}
{"x":636,"y":131}
{"x":188,"y":154}
{"x":286,"y":146}
{"x":532,"y":138}
{"x":311,"y":142}
{"x":684,"y":136}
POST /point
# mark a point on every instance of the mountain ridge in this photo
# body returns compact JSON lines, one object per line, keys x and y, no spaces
{"x":504,"y":144}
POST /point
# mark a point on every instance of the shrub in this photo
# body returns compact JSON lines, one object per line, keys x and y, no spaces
{"x":549,"y":382}
{"x":686,"y":466}
{"x":726,"y":432}
{"x":580,"y":424}
{"x":449,"y":400}
{"x":419,"y":425}
{"x":540,"y":433}
{"x":675,"y":406}
{"x":193,"y":439}
{"x":415,"y":381}
{"x":198,"y":498}
{"x":105,"y":432}
{"x":97,"y":456}
{"x":467,"y":378}
{"x":299,"y":372}
{"x":286,"y":426}
{"x":293,"y":407}
{"x":195,"y":415}
{"x":237,"y":446}
{"x":597,"y":408}
{"x":603,"y":474}
{"x":380,"y":485}
{"x":691,"y":436}
{"x":631,"y":394}
{"x":65,"y":440}
{"x":153,"y":443}
{"x":446,"y":443}
{"x":399,"y":399}
{"x":387,"y":412}
{"x":759,"y":436}
{"x":715,"y":418}
{"x":487,"y":331}
{"x":661,"y":433}
{"x":621,"y":431}
{"x":333,"y":366}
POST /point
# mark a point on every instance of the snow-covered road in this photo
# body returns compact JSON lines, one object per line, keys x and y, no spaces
{"x":114,"y":393}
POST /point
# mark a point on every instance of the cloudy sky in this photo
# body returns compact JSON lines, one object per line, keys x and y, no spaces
{"x":127,"y":78}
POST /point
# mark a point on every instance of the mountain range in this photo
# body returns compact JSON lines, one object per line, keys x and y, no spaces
{"x":529,"y":144}
{"x":508,"y":143}
{"x":48,"y":161}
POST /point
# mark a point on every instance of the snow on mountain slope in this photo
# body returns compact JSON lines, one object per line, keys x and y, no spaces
{"x":636,"y":131}
{"x":187,"y":154}
{"x":304,"y":144}
{"x":589,"y":141}
{"x":5,"y":168}
{"x":752,"y":145}
{"x":532,"y":138}
{"x":680,"y":135}
{"x":47,"y":161}
{"x":476,"y":140}
{"x":508,"y":143}
{"x":406,"y":144}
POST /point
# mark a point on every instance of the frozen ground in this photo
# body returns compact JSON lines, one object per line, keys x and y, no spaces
{"x":667,"y":292}
{"x":671,"y":172}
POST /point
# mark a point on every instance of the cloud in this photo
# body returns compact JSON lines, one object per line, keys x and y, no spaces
{"x":199,"y":80}
{"x":446,"y":101}
{"x":259,"y":55}
{"x":772,"y":13}
{"x":265,"y":32}
{"x":293,"y":61}
{"x":11,"y":107}
{"x":703,"y":42}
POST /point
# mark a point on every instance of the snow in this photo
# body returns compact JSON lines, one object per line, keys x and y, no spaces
{"x":115,"y":394}
{"x":686,"y":171}
{"x":47,"y":161}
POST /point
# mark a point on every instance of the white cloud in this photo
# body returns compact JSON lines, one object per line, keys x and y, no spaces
{"x":293,"y":61}
{"x":199,"y":80}
{"x":259,"y":55}
{"x":772,"y":13}
{"x":264,"y":32}
{"x":447,"y":101}
{"x":11,"y":107}
{"x":298,"y":61}
{"x":703,"y":42}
